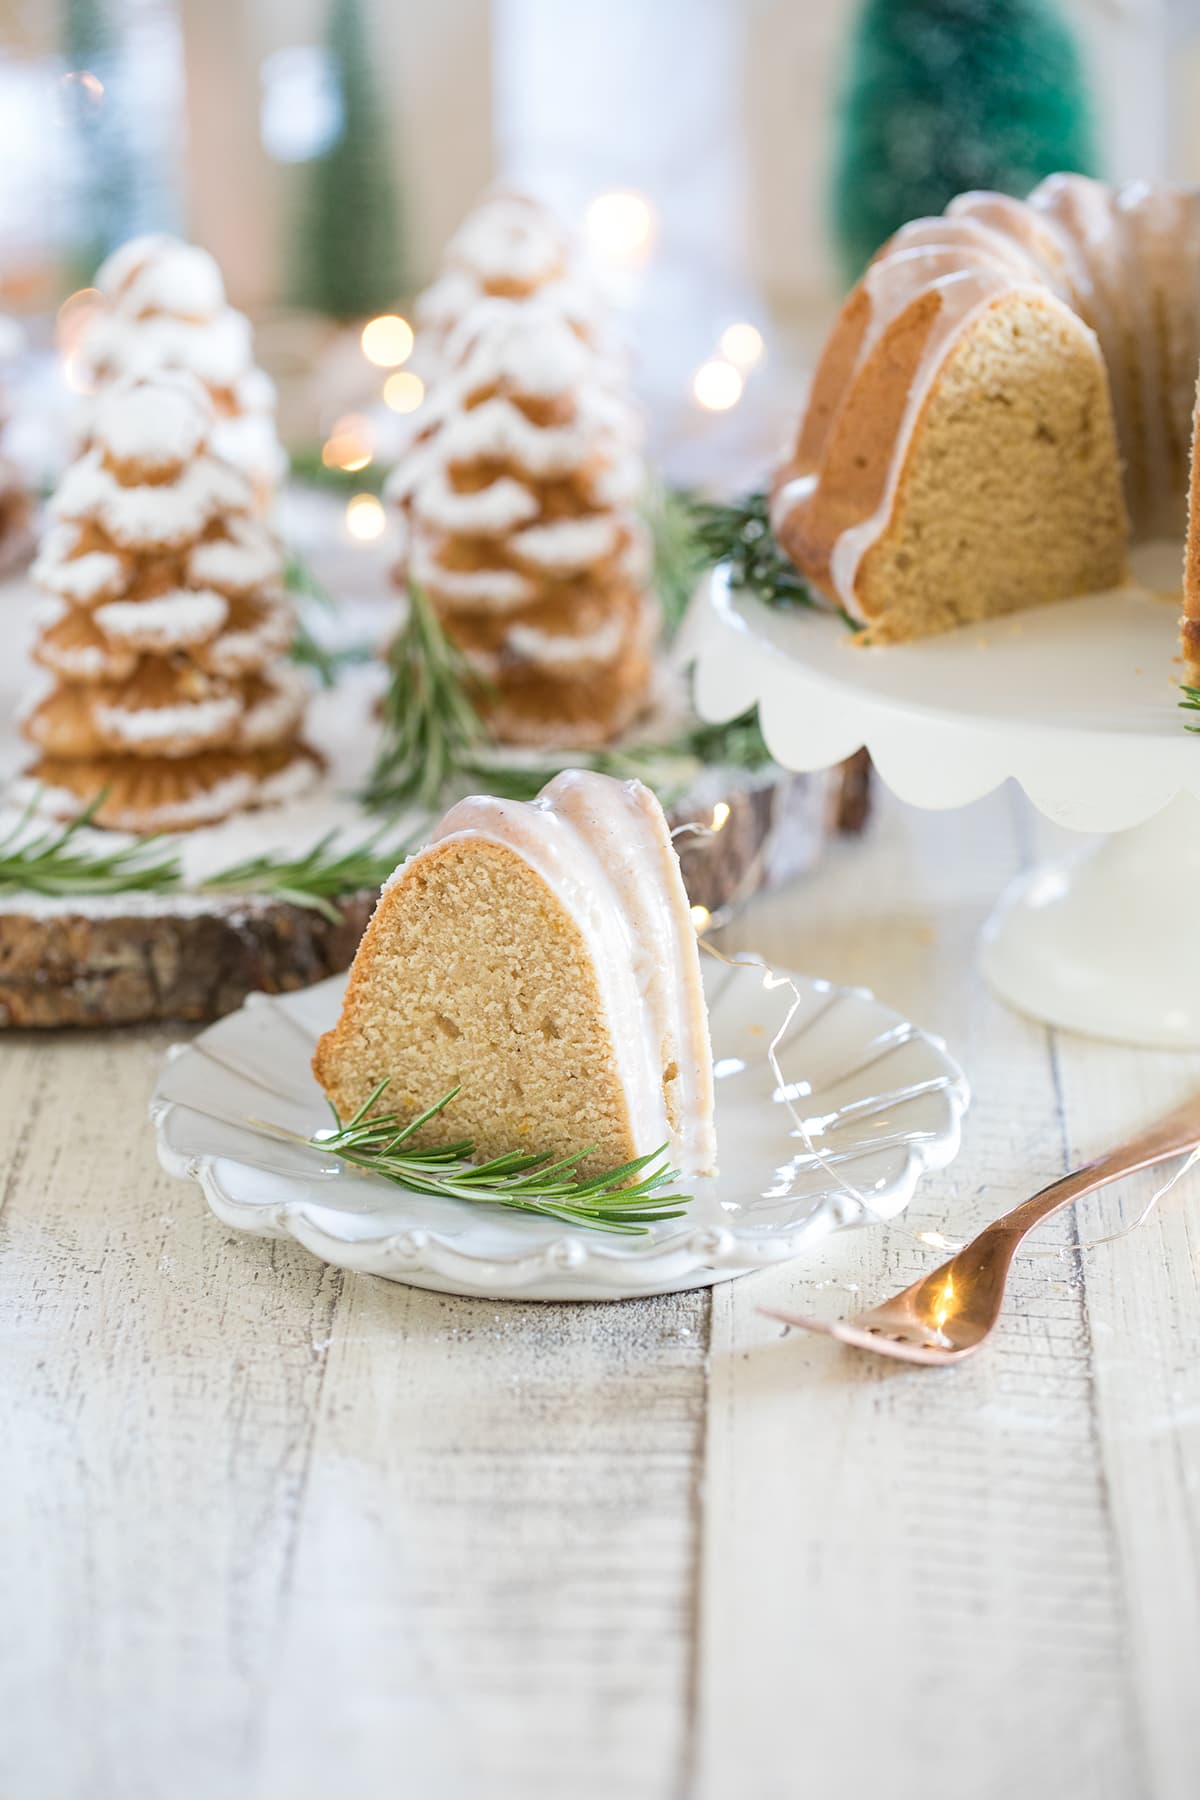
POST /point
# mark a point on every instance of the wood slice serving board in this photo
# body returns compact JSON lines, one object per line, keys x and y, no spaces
{"x":131,"y":959}
{"x":136,"y":958}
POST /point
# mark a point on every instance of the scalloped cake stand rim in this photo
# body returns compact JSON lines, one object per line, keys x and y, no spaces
{"x":1076,"y":701}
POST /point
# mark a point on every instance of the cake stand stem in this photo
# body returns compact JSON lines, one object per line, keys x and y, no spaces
{"x":1104,"y":941}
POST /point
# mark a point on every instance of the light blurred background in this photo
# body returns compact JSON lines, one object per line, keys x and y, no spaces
{"x":695,"y":141}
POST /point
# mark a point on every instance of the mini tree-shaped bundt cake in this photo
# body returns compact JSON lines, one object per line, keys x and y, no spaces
{"x":165,"y":629}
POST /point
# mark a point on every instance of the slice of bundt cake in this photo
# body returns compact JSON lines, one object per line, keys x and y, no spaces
{"x":541,"y":957}
{"x":1003,"y":405}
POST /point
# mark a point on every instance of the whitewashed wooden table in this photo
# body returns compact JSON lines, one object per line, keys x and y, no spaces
{"x":267,"y":1531}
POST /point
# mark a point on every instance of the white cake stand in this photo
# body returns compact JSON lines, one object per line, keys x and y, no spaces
{"x":1077,"y":702}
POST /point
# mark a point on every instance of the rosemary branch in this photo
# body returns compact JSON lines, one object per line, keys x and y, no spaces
{"x":299,"y":580}
{"x":739,"y":533}
{"x":680,"y":557}
{"x":1191,"y":703}
{"x":669,"y":769}
{"x":327,"y":664}
{"x":429,"y":723}
{"x":314,"y":879}
{"x":54,"y":861}
{"x":521,"y":1182}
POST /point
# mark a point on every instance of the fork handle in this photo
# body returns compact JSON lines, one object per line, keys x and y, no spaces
{"x":1172,"y":1135}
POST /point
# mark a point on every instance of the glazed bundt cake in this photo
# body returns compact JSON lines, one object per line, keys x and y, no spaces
{"x":1004,"y":402}
{"x":541,"y":957}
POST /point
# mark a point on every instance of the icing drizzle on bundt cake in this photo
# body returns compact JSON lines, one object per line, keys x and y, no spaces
{"x":1004,"y":400}
{"x":543,"y":956}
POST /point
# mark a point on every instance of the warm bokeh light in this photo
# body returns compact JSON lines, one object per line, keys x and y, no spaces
{"x":403,"y":391}
{"x":621,"y":226}
{"x":76,"y":375}
{"x":74,"y":317}
{"x":717,"y":385}
{"x":742,"y":345}
{"x":365,"y":518}
{"x":84,"y":84}
{"x":349,"y":445}
{"x":387,"y":341}
{"x":720,"y":814}
{"x":700,"y":917}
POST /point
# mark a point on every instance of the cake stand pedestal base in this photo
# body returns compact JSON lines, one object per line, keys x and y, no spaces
{"x":1104,"y":941}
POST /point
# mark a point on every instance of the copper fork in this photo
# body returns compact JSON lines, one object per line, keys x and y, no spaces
{"x":948,"y":1314}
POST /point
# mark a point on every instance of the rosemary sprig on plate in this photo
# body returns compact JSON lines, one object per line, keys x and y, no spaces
{"x":54,"y":861}
{"x":627,"y":1200}
{"x":1191,"y":702}
{"x":316,"y":878}
{"x":430,"y":725}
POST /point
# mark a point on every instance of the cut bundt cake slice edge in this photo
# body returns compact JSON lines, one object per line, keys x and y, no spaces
{"x":1021,"y":411}
{"x":541,"y":958}
{"x":925,"y":506}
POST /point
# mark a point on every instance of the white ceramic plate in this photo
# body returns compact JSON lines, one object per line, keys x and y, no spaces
{"x":880,"y":1100}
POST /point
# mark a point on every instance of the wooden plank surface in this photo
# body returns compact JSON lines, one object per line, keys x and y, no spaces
{"x":267,"y":1531}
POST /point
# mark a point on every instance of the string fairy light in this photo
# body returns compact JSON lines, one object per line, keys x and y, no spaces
{"x":387,"y":341}
{"x":621,"y":226}
{"x":71,"y":325}
{"x":350,"y":445}
{"x":742,"y":345}
{"x":83,"y":85}
{"x":365,"y":518}
{"x":717,"y":385}
{"x":403,"y":391}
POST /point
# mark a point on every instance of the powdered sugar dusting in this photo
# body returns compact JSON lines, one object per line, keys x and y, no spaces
{"x":568,"y":543}
{"x":159,"y":273}
{"x":166,"y":312}
{"x":152,"y":423}
{"x":198,"y":721}
{"x":188,"y":616}
{"x":145,"y":517}
{"x":247,"y":557}
{"x":277,"y":713}
{"x":485,"y":512}
{"x":497,"y":587}
{"x":81,"y":578}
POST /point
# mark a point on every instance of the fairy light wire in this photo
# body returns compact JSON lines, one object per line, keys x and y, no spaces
{"x":744,"y":959}
{"x":772,"y":978}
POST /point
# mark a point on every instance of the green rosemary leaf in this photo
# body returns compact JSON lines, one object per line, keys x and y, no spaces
{"x":318,"y":878}
{"x":325,"y":663}
{"x":56,"y":861}
{"x":739,"y":534}
{"x":1191,"y":703}
{"x":680,"y":558}
{"x":430,"y":725}
{"x":517,"y":1180}
{"x":299,"y":580}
